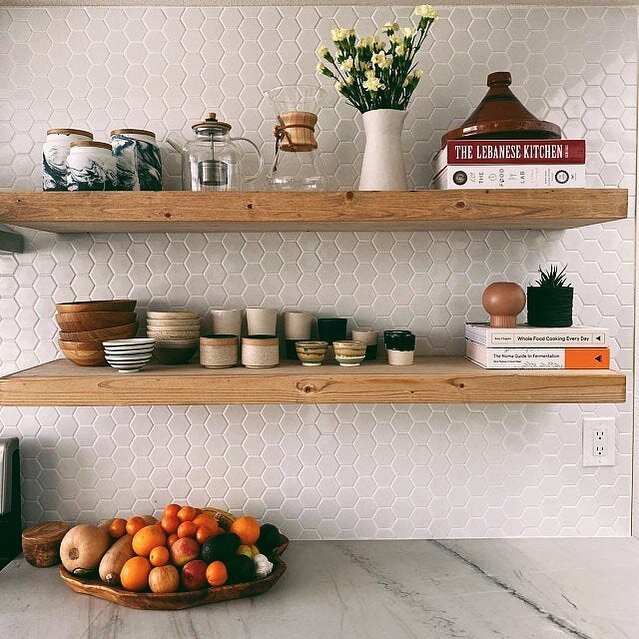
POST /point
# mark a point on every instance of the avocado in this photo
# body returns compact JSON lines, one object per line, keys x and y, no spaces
{"x":239,"y":568}
{"x":219,"y":547}
{"x":269,"y":539}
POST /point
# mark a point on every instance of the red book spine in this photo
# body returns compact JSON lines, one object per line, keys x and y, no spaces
{"x":515,"y":152}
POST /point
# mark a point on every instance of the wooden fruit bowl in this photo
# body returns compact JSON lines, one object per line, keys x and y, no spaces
{"x":180,"y":600}
{"x":173,"y":600}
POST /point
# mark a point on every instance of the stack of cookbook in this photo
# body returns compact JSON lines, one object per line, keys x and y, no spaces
{"x":511,"y":164}
{"x":524,"y":347}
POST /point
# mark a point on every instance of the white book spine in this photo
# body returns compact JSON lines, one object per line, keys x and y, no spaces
{"x":532,"y":338}
{"x":515,"y":358}
{"x":516,"y":176}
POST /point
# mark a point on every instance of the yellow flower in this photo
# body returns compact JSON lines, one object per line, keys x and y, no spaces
{"x":347,"y":64}
{"x":396,"y":38}
{"x":426,"y":11}
{"x":400,"y":49}
{"x":339,"y":35}
{"x":418,"y":73}
{"x":370,"y":73}
{"x":366,"y":43}
{"x":373,"y":85}
{"x":390,"y":27}
{"x":408,"y":32}
{"x":322,"y":51}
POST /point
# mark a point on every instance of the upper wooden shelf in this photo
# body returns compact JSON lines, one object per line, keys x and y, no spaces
{"x":148,"y":212}
{"x":431,"y":380}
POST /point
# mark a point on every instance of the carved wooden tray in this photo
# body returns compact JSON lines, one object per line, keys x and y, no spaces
{"x":177,"y":600}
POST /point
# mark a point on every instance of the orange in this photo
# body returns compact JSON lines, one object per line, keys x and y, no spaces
{"x":135,"y":574}
{"x":187,"y":529}
{"x":117,"y":528}
{"x":171,"y":510}
{"x":159,"y":556}
{"x":203,"y":533}
{"x":204,"y":519}
{"x":169,"y":524}
{"x":146,"y":539}
{"x":187,"y":513}
{"x":134,"y":524}
{"x":247,"y":529}
{"x":216,"y":574}
{"x":171,"y":540}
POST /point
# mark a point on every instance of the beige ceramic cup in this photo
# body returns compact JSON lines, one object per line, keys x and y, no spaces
{"x":260,"y":351}
{"x":261,"y":321}
{"x":219,"y":351}
{"x":226,"y":321}
{"x":297,"y":325}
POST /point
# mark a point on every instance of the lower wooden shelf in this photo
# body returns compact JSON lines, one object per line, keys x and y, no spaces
{"x":431,"y":380}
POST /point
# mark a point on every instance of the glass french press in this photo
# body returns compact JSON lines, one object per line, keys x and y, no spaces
{"x":212,"y":162}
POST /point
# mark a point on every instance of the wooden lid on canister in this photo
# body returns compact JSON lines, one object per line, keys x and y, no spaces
{"x":91,"y":143}
{"x":132,"y":132}
{"x":86,"y":134}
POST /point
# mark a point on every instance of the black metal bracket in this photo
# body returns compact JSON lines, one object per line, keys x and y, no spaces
{"x":10,"y":241}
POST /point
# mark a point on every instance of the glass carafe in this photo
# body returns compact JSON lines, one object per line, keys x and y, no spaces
{"x":297,"y":165}
{"x":213,"y":162}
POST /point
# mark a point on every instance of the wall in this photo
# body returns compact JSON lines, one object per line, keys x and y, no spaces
{"x":326,"y":471}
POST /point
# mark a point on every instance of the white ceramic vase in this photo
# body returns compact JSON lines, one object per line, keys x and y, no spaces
{"x":383,"y":167}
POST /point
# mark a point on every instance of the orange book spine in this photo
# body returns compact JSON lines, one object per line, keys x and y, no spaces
{"x":587,"y":358}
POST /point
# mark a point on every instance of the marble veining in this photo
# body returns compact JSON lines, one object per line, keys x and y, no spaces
{"x":417,"y":589}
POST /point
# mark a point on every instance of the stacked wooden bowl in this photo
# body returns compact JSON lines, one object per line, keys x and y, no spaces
{"x":85,"y":325}
{"x":177,"y":335}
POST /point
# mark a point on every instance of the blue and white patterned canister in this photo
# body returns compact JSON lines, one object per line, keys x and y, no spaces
{"x":54,"y":156}
{"x":138,"y":159}
{"x":91,"y":167}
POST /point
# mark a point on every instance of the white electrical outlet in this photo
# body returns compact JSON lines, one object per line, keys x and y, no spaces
{"x":599,"y":441}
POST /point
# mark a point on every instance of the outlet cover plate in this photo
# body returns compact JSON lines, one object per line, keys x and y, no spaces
{"x":599,"y":441}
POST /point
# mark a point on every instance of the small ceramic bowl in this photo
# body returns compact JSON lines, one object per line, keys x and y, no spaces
{"x":175,"y":352}
{"x":349,"y":352}
{"x":128,"y":355}
{"x":311,"y":353}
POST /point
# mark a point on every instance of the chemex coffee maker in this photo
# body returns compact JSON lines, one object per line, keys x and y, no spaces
{"x":10,"y":504}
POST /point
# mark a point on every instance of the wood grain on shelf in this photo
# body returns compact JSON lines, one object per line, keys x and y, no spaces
{"x":432,"y":380}
{"x":139,"y":211}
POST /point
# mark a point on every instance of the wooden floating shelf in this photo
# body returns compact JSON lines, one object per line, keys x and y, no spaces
{"x":431,"y":380}
{"x":149,"y":212}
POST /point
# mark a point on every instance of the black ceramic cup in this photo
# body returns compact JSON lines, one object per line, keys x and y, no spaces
{"x":399,"y":340}
{"x":331,"y":329}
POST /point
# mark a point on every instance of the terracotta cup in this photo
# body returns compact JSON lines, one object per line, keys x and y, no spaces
{"x":261,"y":321}
{"x":226,"y":321}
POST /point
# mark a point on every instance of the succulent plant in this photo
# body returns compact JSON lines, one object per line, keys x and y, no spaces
{"x":552,"y":278}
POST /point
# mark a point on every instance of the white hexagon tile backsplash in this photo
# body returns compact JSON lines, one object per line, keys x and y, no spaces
{"x":319,"y":471}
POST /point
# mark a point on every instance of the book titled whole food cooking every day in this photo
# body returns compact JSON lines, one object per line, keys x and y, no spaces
{"x":524,"y":347}
{"x":511,"y":164}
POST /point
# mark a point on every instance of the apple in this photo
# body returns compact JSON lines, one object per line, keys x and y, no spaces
{"x":194,"y":575}
{"x":184,"y":550}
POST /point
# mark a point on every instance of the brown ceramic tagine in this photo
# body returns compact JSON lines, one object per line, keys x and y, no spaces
{"x":501,"y":116}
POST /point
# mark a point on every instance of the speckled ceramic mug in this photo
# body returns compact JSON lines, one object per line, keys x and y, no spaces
{"x":260,"y":351}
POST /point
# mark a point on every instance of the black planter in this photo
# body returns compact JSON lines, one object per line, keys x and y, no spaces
{"x":549,"y":307}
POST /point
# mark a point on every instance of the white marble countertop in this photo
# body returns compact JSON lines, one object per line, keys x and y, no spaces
{"x":479,"y":589}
